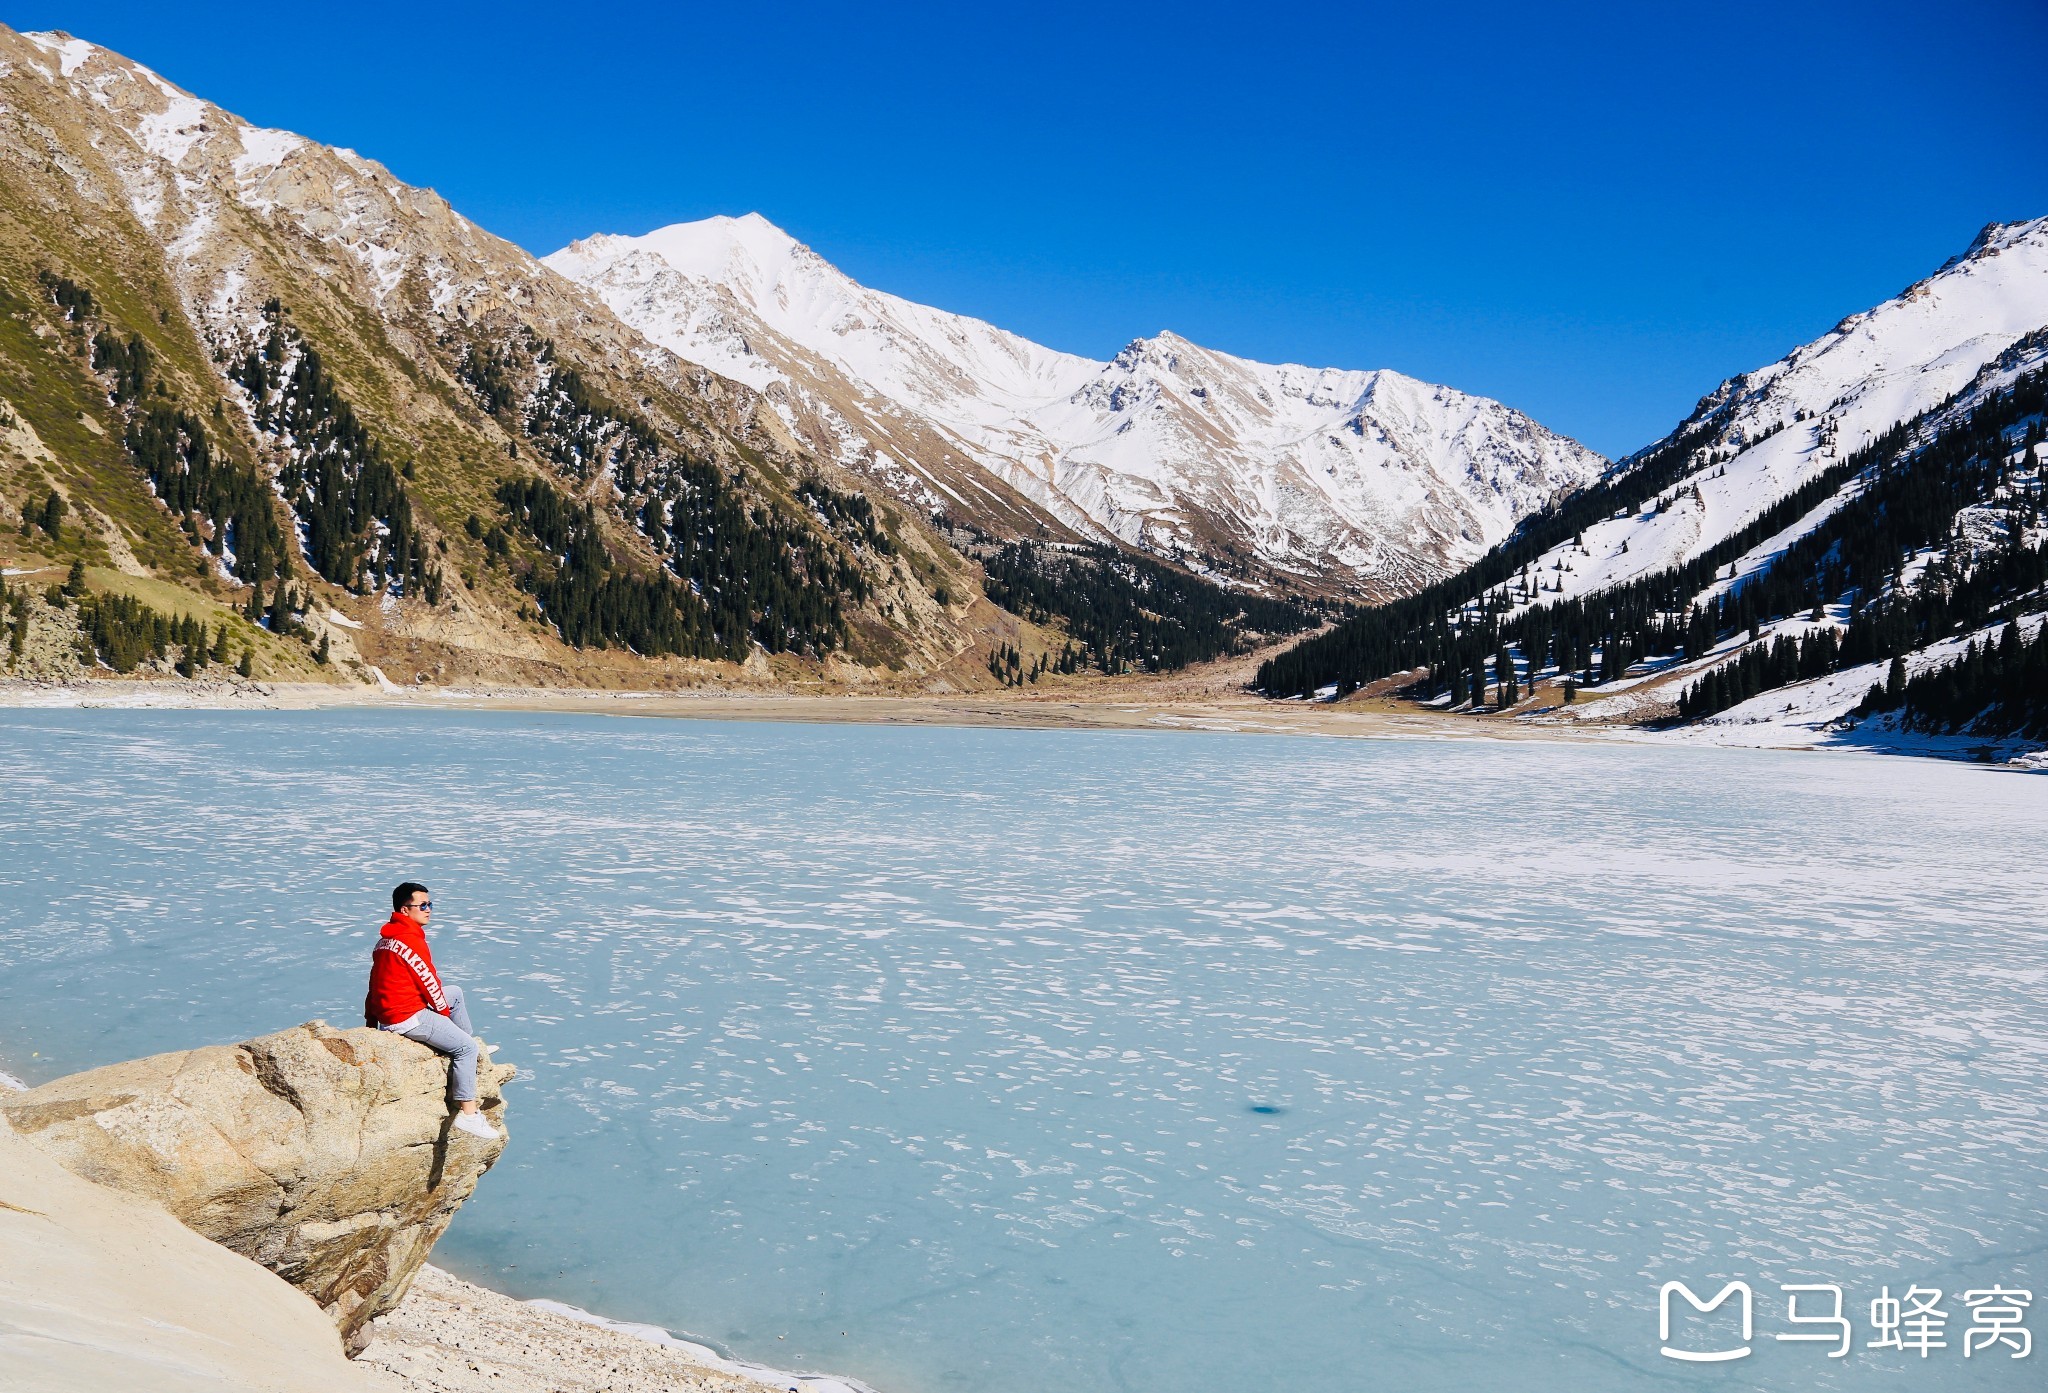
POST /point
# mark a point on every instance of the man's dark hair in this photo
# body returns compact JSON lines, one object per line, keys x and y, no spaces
{"x":405,"y":892}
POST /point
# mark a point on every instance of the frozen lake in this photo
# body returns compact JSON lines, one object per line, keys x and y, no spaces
{"x":1015,"y":1061}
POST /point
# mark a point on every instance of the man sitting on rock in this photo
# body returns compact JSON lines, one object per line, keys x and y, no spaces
{"x":407,"y":997}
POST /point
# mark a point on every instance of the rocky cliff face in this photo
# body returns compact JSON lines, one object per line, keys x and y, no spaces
{"x":325,"y":1155}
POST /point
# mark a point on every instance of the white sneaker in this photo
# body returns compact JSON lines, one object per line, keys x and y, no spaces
{"x":474,"y":1124}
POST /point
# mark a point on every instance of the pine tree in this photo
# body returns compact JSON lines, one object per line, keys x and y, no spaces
{"x":74,"y":581}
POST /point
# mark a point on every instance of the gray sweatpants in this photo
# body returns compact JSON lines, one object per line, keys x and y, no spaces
{"x":452,"y":1035}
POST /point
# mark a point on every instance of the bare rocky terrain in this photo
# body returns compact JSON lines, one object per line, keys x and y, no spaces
{"x":237,"y":1218}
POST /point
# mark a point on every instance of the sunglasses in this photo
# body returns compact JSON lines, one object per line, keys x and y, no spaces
{"x":423,"y":904}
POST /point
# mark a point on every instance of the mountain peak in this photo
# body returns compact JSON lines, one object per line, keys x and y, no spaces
{"x":748,"y":254}
{"x":749,"y":232}
{"x":1995,"y":237}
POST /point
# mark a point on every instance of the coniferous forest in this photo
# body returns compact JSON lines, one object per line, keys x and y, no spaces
{"x":738,"y":570}
{"x":592,"y":599}
{"x":1994,"y":689}
{"x":350,"y":500}
{"x":222,"y":504}
{"x":120,"y":631}
{"x":1128,"y":613}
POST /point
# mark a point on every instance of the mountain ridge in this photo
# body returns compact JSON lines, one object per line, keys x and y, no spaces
{"x":1231,"y":466}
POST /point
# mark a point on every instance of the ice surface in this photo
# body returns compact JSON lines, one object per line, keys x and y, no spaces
{"x":1005,"y":1061}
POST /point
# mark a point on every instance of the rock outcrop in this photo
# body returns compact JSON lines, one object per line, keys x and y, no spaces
{"x":325,"y":1155}
{"x":101,"y":1290}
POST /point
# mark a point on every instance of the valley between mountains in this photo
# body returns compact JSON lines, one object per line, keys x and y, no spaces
{"x":269,"y":415}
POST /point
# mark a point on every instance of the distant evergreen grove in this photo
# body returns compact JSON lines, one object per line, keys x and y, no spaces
{"x":350,"y":501}
{"x":1915,"y":480}
{"x":1994,"y":689}
{"x":1435,"y":627}
{"x":69,"y":296}
{"x":1127,"y":612}
{"x":738,"y":571}
{"x":593,"y":600}
{"x":120,"y":630}
{"x":123,"y":632}
{"x":1415,"y":631}
{"x":1908,"y":507}
{"x":483,"y":370}
{"x":170,"y":446}
{"x":222,"y":504}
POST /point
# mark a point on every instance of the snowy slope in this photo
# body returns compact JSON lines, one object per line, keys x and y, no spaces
{"x":731,"y":275}
{"x":1773,"y":429}
{"x":1819,"y":711}
{"x":1363,"y":481}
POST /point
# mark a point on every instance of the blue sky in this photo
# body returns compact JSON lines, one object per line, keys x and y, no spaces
{"x":1594,"y":213}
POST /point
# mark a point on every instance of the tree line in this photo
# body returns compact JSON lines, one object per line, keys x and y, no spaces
{"x":592,"y":599}
{"x":1421,"y":630}
{"x":122,"y":632}
{"x":1907,"y":513}
{"x":1994,"y":689}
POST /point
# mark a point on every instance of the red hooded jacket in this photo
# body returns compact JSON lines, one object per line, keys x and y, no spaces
{"x":403,"y":981}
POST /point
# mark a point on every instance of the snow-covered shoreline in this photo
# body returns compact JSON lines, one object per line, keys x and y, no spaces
{"x":706,"y":1355}
{"x":1806,"y":726}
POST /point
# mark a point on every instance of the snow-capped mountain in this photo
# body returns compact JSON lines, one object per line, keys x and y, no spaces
{"x":1834,"y":543}
{"x":1366,"y":482}
{"x":1759,"y":436}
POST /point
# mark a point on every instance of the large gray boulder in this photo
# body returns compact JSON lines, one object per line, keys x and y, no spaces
{"x":325,"y":1155}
